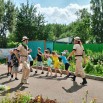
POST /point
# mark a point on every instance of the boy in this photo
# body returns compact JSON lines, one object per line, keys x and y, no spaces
{"x":30,"y":60}
{"x":66,"y":63}
{"x":39,"y":60}
{"x":15,"y":63}
{"x":9,"y":63}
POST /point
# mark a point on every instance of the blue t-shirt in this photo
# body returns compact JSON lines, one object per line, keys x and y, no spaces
{"x":64,"y":59}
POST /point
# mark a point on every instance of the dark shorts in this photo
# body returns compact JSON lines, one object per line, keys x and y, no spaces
{"x":9,"y":64}
{"x":67,"y":66}
{"x":31,"y":63}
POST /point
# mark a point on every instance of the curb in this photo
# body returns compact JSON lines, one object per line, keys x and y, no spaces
{"x":94,"y":77}
{"x":87,"y":75}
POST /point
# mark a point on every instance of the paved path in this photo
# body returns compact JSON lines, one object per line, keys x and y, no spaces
{"x":64,"y":90}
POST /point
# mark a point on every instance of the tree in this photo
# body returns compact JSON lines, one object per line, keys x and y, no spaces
{"x":7,"y":18}
{"x":2,"y":25}
{"x":97,"y":20}
{"x":29,"y":23}
{"x":10,"y":16}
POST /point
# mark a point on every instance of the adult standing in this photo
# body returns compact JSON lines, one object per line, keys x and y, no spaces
{"x":23,"y":50}
{"x":78,"y":51}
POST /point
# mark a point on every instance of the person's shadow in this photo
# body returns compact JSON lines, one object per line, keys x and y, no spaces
{"x":3,"y":76}
{"x":73,"y":88}
{"x":18,"y":87}
{"x":7,"y":82}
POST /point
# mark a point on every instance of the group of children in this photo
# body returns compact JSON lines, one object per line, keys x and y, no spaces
{"x":52,"y":60}
{"x":13,"y":63}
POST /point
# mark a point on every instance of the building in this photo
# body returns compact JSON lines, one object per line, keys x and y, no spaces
{"x":65,"y":40}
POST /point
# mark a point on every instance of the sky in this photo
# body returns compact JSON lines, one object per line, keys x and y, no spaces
{"x":57,"y":11}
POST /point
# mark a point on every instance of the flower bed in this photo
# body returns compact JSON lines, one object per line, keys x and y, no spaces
{"x":23,"y":97}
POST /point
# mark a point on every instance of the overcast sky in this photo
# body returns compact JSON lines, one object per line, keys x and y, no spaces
{"x":58,"y":11}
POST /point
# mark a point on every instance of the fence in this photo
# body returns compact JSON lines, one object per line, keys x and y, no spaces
{"x":52,"y":46}
{"x":93,"y":47}
{"x":40,"y":43}
{"x":59,"y":46}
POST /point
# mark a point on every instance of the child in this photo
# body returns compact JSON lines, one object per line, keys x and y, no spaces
{"x":30,"y":60}
{"x":15,"y":63}
{"x":49,"y":62}
{"x":56,"y":63}
{"x":66,"y":63}
{"x":9,"y":63}
{"x":39,"y":60}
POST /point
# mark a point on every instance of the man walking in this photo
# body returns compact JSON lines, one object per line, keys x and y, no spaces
{"x":78,"y":51}
{"x":23,"y":50}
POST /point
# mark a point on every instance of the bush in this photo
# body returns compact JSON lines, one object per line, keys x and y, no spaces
{"x":12,"y":44}
{"x":2,"y":61}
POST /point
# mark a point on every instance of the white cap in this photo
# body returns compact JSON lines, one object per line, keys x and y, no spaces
{"x":77,"y":38}
{"x":63,"y":53}
{"x":25,"y":38}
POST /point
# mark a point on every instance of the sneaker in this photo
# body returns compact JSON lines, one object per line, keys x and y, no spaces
{"x":47,"y":75}
{"x":11,"y":76}
{"x":16,"y":79}
{"x":68,"y":75}
{"x":42,"y":72}
{"x":51,"y":75}
{"x":31,"y":70}
{"x":35,"y":72}
{"x":60,"y":74}
{"x":55,"y":75}
{"x":7,"y":74}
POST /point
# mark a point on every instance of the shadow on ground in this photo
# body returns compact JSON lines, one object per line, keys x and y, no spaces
{"x":73,"y":88}
{"x":20,"y":87}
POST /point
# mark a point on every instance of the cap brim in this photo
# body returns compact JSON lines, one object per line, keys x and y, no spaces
{"x":24,"y":39}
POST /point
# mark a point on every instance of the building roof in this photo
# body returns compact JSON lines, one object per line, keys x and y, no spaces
{"x":65,"y":40}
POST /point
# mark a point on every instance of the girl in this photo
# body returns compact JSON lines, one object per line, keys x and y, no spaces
{"x":49,"y":62}
{"x":56,"y":63}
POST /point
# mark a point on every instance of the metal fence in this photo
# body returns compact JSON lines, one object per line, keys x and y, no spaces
{"x":59,"y":46}
{"x":93,"y":47}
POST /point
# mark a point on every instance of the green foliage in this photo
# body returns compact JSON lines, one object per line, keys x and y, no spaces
{"x":18,"y":98}
{"x":10,"y":17}
{"x":2,"y":61}
{"x":12,"y":44}
{"x":7,"y":20}
{"x":29,"y":23}
{"x":26,"y":98}
{"x":6,"y":100}
{"x":94,"y":64}
{"x":2,"y":88}
{"x":95,"y":57}
{"x":89,"y":67}
{"x":96,"y":19}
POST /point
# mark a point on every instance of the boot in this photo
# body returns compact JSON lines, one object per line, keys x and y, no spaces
{"x":73,"y":78}
{"x":84,"y":81}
